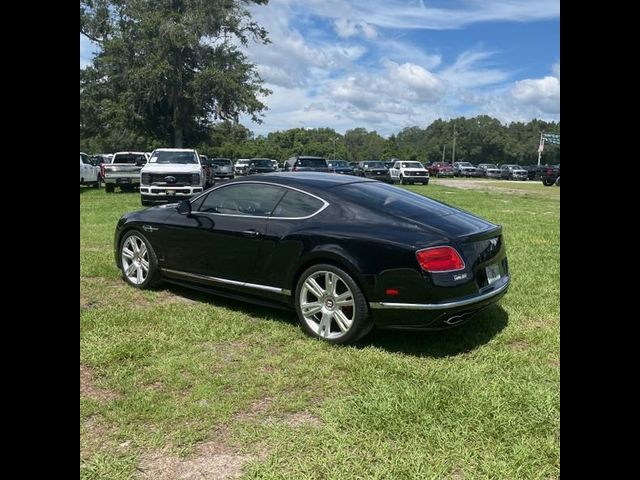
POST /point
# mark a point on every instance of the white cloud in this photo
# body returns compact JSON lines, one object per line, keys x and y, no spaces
{"x":543,"y":93}
{"x":346,"y":28}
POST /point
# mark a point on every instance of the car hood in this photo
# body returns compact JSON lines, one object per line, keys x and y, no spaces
{"x":414,"y":170}
{"x":171,"y":168}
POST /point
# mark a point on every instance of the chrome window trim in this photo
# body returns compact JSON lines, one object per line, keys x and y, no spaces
{"x":325,"y":204}
{"x":225,"y":281}
{"x":442,"y":306}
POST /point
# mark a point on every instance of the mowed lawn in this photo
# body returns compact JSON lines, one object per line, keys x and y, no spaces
{"x":176,"y":384}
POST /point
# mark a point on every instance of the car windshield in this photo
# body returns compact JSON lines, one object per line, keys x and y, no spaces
{"x":338,"y":163}
{"x":465,"y":164}
{"x":374,"y":165}
{"x":411,"y":165}
{"x":489,"y":165}
{"x":242,"y":162}
{"x":222,"y":163}
{"x":392,"y":200}
{"x":131,"y":158}
{"x":312,"y":162}
{"x":261,"y":163}
{"x":173,"y":157}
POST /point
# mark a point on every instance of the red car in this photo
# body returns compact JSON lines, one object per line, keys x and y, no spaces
{"x":440,"y":169}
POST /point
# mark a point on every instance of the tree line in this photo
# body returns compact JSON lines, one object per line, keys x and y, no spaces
{"x":480,"y":139}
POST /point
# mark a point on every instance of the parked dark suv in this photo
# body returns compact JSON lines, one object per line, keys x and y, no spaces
{"x":262,"y":165}
{"x":373,"y":169}
{"x":306,"y":164}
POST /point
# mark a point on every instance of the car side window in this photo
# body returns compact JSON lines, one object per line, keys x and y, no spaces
{"x":297,"y":204}
{"x":246,"y":199}
{"x":397,"y":165}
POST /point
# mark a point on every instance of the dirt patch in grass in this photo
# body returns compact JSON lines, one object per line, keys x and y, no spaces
{"x":257,"y":412}
{"x":89,"y":390}
{"x":211,"y":460}
{"x":519,"y":345}
{"x":94,"y":436}
{"x":484,"y":185}
{"x":105,"y":292}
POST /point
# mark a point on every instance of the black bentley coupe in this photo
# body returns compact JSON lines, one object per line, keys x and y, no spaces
{"x":346,"y":253}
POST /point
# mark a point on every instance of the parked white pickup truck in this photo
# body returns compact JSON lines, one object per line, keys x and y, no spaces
{"x":409,"y":172}
{"x":123,"y":170}
{"x":171,"y":175}
{"x":89,"y":173}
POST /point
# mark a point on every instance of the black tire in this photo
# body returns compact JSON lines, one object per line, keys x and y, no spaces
{"x":361,"y":317}
{"x":426,"y":183}
{"x":108,"y":187}
{"x":547,"y":182}
{"x":96,"y":184}
{"x":153,"y":276}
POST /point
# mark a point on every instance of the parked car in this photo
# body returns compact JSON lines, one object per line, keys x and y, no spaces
{"x":489,"y":170}
{"x":123,"y":171}
{"x":240,"y":167}
{"x":409,"y":172}
{"x":306,"y":164}
{"x":465,"y":169}
{"x":276,"y":166}
{"x":171,"y":174}
{"x":440,"y":169}
{"x":389,"y":165}
{"x":262,"y":165}
{"x":353,"y":164}
{"x":89,"y":173}
{"x":513,"y":172}
{"x":222,"y":168}
{"x":340,"y":166}
{"x":345,"y":255}
{"x":533,"y":171}
{"x":551,"y":175}
{"x":372,"y":169}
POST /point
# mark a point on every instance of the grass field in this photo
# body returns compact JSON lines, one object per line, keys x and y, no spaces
{"x":176,"y":384}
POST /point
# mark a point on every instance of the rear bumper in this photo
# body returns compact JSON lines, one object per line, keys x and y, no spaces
{"x":121,"y":180}
{"x":436,"y":316}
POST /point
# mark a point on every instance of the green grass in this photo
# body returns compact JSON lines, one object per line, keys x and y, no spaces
{"x":170,"y":369}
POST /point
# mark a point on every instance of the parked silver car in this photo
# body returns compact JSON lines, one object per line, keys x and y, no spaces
{"x":489,"y":170}
{"x":222,"y":168}
{"x":465,"y":169}
{"x":513,"y":172}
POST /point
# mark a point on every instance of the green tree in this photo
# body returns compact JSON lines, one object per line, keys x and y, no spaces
{"x":167,"y":68}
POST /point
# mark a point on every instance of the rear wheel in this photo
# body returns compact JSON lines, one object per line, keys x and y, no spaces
{"x":331,"y":306}
{"x":547,"y":182}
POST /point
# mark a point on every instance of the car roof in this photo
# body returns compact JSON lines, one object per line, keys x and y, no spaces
{"x":319,"y":180}
{"x":175,"y":150}
{"x":130,"y":153}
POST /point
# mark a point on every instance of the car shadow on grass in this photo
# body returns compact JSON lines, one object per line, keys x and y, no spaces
{"x":478,"y":331}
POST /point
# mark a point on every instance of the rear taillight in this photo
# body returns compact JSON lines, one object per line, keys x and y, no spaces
{"x":440,"y":259}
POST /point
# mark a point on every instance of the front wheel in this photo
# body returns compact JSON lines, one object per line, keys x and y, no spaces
{"x":138,"y":261}
{"x":547,"y":182}
{"x":331,"y":306}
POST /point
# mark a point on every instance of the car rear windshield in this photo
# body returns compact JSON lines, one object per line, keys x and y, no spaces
{"x":311,"y":162}
{"x":261,"y":163}
{"x":392,"y":200}
{"x":173,"y":157}
{"x":129,"y":158}
{"x":222,"y":163}
{"x":374,"y":165}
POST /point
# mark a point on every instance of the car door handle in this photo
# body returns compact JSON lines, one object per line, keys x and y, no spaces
{"x":251,"y":233}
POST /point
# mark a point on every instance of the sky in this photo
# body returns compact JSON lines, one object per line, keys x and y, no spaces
{"x":389,"y":64}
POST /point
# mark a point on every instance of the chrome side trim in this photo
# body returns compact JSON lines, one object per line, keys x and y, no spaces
{"x":224,"y":281}
{"x":441,"y":306}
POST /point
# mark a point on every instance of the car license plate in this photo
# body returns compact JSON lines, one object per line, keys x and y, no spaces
{"x":493,"y":273}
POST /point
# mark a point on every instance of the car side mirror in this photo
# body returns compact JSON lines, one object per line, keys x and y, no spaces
{"x":184,"y":207}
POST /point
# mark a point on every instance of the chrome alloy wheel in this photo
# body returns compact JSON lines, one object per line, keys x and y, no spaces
{"x":327,"y":304}
{"x":135,"y":260}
